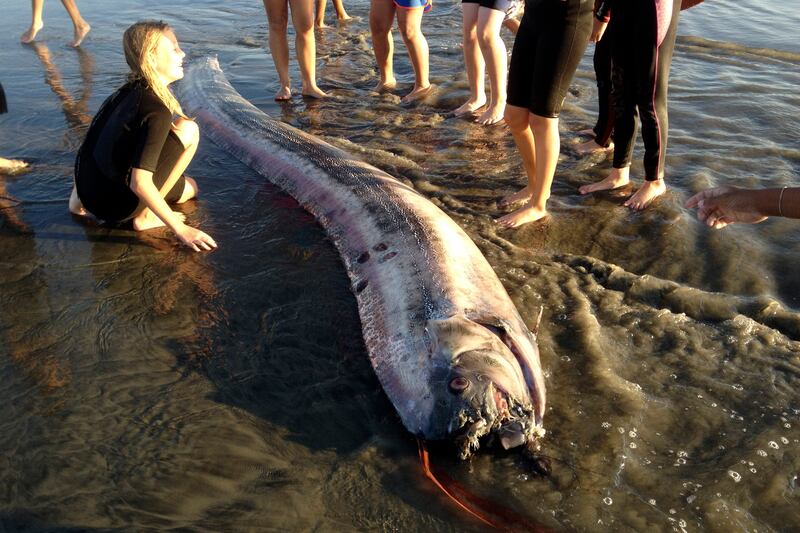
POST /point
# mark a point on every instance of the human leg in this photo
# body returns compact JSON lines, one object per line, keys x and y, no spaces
{"x":278,"y":22}
{"x":306,"y":46}
{"x":81,"y":26}
{"x":603,"y":128}
{"x":546,"y":146}
{"x":319,"y":17}
{"x":381,"y":18}
{"x":655,"y":119}
{"x":36,"y":22}
{"x":175,"y":158}
{"x":652,"y":104}
{"x":410,"y":23}
{"x":341,"y":14}
{"x":473,"y":60}
{"x":518,"y":121}
{"x":494,"y":54}
{"x":624,"y":98}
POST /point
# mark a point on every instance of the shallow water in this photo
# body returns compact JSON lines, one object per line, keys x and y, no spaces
{"x":144,"y":387}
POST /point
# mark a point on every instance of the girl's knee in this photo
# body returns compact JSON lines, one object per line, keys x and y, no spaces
{"x":304,"y":28}
{"x":409,"y":32}
{"x":516,"y":118}
{"x":486,"y":37}
{"x":379,"y":25}
{"x":187,"y":131}
{"x":279,"y":25}
{"x":540,"y":123}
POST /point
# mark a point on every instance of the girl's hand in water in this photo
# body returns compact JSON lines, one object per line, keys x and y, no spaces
{"x":196,"y":239}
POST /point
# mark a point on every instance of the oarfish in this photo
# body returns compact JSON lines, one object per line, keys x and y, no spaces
{"x":446,"y":342}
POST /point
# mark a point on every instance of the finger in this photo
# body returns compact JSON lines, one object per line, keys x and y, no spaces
{"x":211,"y":241}
{"x":696,"y":199}
{"x":705,"y":211}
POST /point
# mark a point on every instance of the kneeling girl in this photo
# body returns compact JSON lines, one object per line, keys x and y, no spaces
{"x":133,"y":158}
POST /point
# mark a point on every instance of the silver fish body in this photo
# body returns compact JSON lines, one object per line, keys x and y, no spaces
{"x":446,"y":342}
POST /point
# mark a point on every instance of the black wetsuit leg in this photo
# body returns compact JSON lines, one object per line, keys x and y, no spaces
{"x":549,"y":45}
{"x":3,"y":105}
{"x":653,"y":109}
{"x":602,"y":72}
{"x":114,"y":201}
{"x":640,"y":73}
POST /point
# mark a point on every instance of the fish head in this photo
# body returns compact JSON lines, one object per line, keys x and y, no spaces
{"x":485,"y":384}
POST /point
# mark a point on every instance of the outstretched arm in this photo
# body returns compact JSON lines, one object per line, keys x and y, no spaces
{"x":142,"y":185}
{"x":721,"y":206}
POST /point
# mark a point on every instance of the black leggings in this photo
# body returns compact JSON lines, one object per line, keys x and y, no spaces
{"x":550,"y":42}
{"x":602,"y":72}
{"x":640,"y":74}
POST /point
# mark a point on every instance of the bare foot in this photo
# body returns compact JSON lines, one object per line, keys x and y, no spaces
{"x":648,"y":192}
{"x":75,"y":204}
{"x":591,"y":147}
{"x":30,"y":35}
{"x":12,"y":165}
{"x":80,"y":33}
{"x":344,"y":18}
{"x":148,"y":220}
{"x":418,"y":93}
{"x":619,"y":177}
{"x":521,"y":216}
{"x":284,"y":94}
{"x":521,"y":195}
{"x":588,"y":131}
{"x":320,"y":25}
{"x":469,"y":107}
{"x":385,"y":86}
{"x":314,"y":92}
{"x":492,"y":116}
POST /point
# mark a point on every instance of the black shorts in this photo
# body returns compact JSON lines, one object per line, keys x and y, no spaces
{"x":498,"y":5}
{"x":549,"y":45}
{"x":113,"y":200}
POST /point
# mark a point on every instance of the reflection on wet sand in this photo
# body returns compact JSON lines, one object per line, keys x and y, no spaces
{"x":25,"y":320}
{"x":75,"y":107}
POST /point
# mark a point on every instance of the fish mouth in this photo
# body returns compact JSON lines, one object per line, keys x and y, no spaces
{"x":498,"y":415}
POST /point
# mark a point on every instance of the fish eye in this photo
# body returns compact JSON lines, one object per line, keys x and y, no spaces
{"x":459,"y":384}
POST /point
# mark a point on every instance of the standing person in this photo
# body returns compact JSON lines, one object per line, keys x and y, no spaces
{"x":641,"y":50}
{"x":604,"y":127}
{"x":483,"y":48}
{"x":37,"y":23}
{"x":304,"y":43}
{"x":133,"y":158}
{"x":338,"y":5}
{"x":8,"y":165}
{"x":409,"y":20}
{"x":552,"y":37}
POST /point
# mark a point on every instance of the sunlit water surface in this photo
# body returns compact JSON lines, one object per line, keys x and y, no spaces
{"x":145,"y":387}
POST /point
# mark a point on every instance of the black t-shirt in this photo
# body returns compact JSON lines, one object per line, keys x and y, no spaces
{"x":128,"y":132}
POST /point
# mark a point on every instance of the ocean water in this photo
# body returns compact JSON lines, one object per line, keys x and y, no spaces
{"x":144,"y":387}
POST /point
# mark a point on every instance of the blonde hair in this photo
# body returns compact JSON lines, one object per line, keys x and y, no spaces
{"x":139,"y":44}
